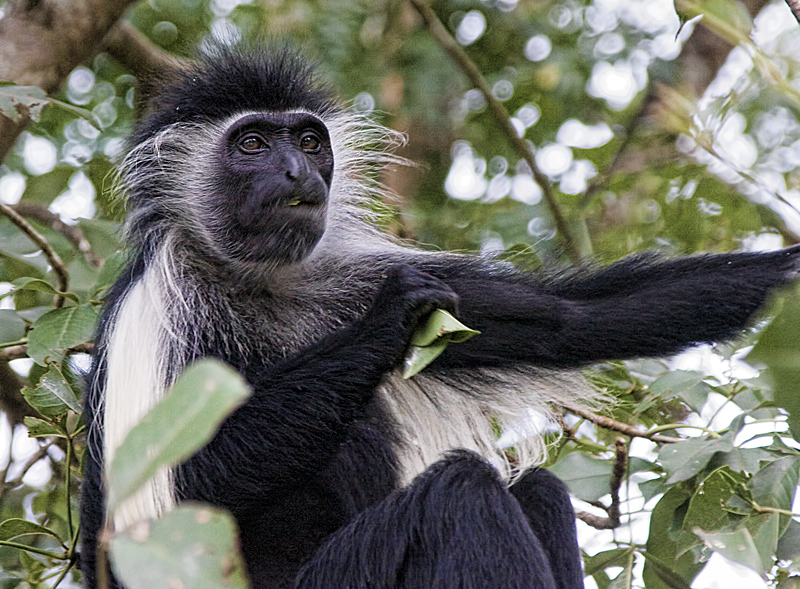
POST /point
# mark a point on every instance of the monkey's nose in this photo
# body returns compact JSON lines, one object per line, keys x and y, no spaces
{"x":296,"y":167}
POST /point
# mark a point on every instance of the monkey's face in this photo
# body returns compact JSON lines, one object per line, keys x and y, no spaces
{"x":273,"y":187}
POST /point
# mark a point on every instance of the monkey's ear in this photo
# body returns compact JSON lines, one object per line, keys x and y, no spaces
{"x":635,"y":308}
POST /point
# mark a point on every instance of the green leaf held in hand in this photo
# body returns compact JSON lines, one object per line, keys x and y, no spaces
{"x":431,"y":339}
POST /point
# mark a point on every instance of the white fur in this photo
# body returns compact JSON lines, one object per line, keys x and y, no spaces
{"x":135,"y":383}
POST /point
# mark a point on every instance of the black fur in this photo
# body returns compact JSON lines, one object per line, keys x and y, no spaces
{"x":310,"y":466}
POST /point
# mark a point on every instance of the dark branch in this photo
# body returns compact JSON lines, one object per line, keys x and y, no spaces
{"x":42,"y":42}
{"x":72,"y":233}
{"x":617,"y":475}
{"x":624,"y":428}
{"x":52,"y":257}
{"x":21,"y":351}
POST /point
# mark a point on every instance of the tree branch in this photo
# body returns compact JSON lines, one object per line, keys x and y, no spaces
{"x":12,"y":403}
{"x":21,"y":351}
{"x":600,"y":182}
{"x":613,"y":510}
{"x":42,"y":41}
{"x":52,"y":257}
{"x":624,"y":428}
{"x":71,"y":232}
{"x":137,"y":53}
{"x":40,"y":453}
{"x":446,"y":42}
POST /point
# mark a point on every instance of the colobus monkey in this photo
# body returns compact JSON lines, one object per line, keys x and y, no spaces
{"x":247,"y":184}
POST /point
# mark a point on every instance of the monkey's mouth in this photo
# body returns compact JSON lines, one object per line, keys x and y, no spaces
{"x":304,"y":202}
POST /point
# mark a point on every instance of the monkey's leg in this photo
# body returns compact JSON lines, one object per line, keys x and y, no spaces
{"x":545,"y":501}
{"x":455,"y":527}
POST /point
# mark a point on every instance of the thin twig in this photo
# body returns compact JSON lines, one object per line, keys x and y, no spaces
{"x":451,"y":46}
{"x":613,"y":510}
{"x":21,"y":351}
{"x":72,"y":233}
{"x":52,"y":257}
{"x":615,"y":425}
{"x":40,"y":453}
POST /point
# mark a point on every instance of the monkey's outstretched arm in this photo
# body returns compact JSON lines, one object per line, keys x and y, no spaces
{"x":302,"y":408}
{"x":636,"y":307}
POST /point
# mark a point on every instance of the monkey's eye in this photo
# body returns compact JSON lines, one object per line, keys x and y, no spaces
{"x":310,"y":143}
{"x":252,"y":144}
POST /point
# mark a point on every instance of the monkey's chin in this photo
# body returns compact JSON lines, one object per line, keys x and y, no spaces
{"x":270,"y":250}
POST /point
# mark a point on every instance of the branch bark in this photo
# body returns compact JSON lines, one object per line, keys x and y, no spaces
{"x":73,"y":233}
{"x":137,"y":53}
{"x":624,"y":428}
{"x":52,"y":256}
{"x":617,"y":475}
{"x":42,"y":41}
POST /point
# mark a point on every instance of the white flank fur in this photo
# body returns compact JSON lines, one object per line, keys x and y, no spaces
{"x":135,"y":383}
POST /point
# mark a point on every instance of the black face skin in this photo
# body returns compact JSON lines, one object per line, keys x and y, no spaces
{"x":275,"y":177}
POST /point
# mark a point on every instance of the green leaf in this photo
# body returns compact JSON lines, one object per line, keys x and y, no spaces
{"x":683,"y":461}
{"x":58,"y":330}
{"x":180,"y":424}
{"x":17,"y":265}
{"x":53,"y":396}
{"x":624,"y":580}
{"x":775,"y":484}
{"x":30,"y":100}
{"x":747,"y":460}
{"x":766,"y":531}
{"x":789,"y":544}
{"x":33,"y":566}
{"x":741,"y":546}
{"x":22,"y":100}
{"x":192,"y":546}
{"x":38,"y":428}
{"x":587,"y":478}
{"x":669,"y":578}
{"x":603,"y":560}
{"x":39,"y":285}
{"x":43,"y":189}
{"x":778,"y":347}
{"x":431,"y":339}
{"x":707,"y":505}
{"x":104,"y":236}
{"x":12,"y":327}
{"x":15,"y":527}
{"x":688,"y":385}
{"x":662,"y":548}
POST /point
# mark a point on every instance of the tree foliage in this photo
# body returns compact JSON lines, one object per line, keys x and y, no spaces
{"x":640,"y":129}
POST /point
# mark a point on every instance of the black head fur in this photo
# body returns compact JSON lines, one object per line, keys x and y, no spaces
{"x":227,"y":80}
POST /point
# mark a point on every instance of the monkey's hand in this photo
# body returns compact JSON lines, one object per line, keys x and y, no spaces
{"x":405,"y":299}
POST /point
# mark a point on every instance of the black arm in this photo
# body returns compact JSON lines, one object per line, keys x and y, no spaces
{"x":637,"y":307}
{"x":302,"y":407}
